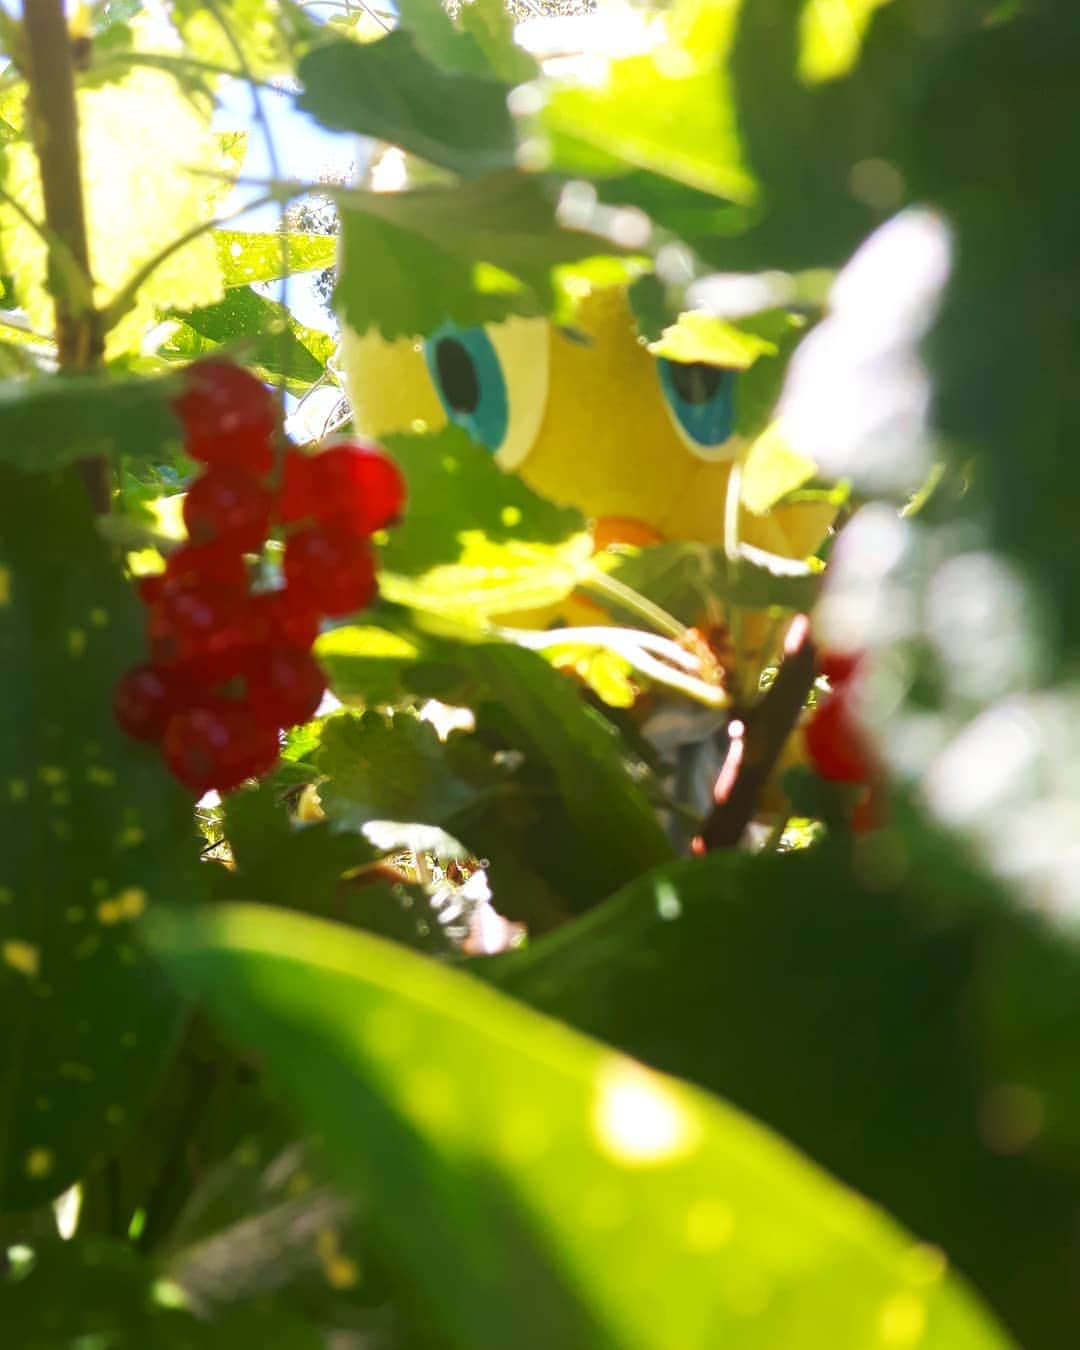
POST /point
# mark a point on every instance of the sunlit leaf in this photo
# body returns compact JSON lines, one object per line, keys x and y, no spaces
{"x":475,"y":541}
{"x":830,"y":33}
{"x":667,"y":110}
{"x":700,"y":337}
{"x":249,"y":257}
{"x":141,"y":141}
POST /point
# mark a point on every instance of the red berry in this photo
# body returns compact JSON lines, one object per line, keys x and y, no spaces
{"x":228,"y":505}
{"x":357,"y":488}
{"x":835,"y":742}
{"x":218,"y":744}
{"x":335,"y":568}
{"x":220,"y":562}
{"x":151,"y":587}
{"x":285,"y":687}
{"x":227,"y":414}
{"x":290,"y":617}
{"x":295,"y":499}
{"x":145,"y":698}
{"x":205,"y":628}
{"x":839,"y":667}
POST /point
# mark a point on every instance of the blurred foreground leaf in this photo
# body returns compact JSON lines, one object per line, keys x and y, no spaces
{"x":94,"y":833}
{"x":622,"y":1209}
{"x":48,"y":423}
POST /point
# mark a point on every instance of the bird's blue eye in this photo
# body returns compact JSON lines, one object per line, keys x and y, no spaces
{"x":466,"y":371}
{"x":702,"y":401}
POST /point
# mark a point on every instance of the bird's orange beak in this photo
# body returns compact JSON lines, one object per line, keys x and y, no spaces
{"x":609,"y":530}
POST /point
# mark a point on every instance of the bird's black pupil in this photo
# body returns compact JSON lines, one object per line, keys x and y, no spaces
{"x":696,"y":381}
{"x":457,"y":375}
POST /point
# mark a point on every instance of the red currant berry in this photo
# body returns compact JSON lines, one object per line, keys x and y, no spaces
{"x":220,"y":562}
{"x":228,"y":505}
{"x":295,"y":498}
{"x":145,"y":698}
{"x":227,"y":415}
{"x":839,"y":667}
{"x":335,"y":568}
{"x":290,"y":617}
{"x":204,"y":628}
{"x":285,"y":687}
{"x":835,"y":742}
{"x":151,"y":587}
{"x":357,"y":488}
{"x":217,"y":745}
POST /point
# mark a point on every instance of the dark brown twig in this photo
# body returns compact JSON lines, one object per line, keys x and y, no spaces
{"x":756,"y":742}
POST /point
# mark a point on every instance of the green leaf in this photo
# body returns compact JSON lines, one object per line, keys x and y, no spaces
{"x":395,"y":768}
{"x":391,"y":90}
{"x":616,"y":832}
{"x":880,"y":1004}
{"x":831,"y":34}
{"x":50,"y":422}
{"x":269,"y":33}
{"x":562,"y":822}
{"x":475,"y":541}
{"x":622,"y":1208}
{"x":684,"y":578}
{"x":310,"y":868}
{"x":668,"y":111}
{"x":274,"y":344}
{"x":95,"y":833}
{"x":699,"y":337}
{"x":249,"y":257}
{"x":486,"y":249}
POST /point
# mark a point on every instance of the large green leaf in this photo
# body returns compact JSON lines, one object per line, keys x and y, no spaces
{"x":486,"y":249}
{"x":94,"y":834}
{"x":391,"y":90}
{"x":475,"y":541}
{"x":47,"y":423}
{"x":883,"y":1008}
{"x":622,"y":1209}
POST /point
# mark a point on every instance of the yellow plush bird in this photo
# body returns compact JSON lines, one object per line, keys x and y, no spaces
{"x":644,"y":446}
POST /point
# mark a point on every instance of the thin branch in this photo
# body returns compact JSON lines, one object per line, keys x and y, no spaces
{"x":55,"y":130}
{"x":757,"y":741}
{"x":263,"y":120}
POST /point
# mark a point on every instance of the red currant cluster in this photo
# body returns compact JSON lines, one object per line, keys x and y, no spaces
{"x":835,"y":742}
{"x":230,"y":667}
